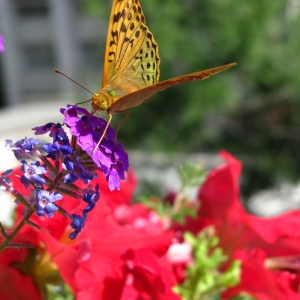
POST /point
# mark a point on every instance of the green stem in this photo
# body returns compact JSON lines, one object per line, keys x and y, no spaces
{"x":14,"y":192}
{"x":16,"y":230}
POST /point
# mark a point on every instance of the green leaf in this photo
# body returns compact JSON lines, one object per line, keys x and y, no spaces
{"x":191,"y":175}
{"x":204,"y":278}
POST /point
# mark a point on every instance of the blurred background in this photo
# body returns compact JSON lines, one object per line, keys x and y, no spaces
{"x":251,"y":110}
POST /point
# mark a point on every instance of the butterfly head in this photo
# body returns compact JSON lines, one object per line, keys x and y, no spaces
{"x":102,"y":100}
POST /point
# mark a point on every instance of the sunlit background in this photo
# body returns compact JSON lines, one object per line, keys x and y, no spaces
{"x":251,"y":110}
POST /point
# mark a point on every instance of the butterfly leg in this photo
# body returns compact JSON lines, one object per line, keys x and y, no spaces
{"x":91,"y":113}
{"x":123,"y":120}
{"x":104,"y":132}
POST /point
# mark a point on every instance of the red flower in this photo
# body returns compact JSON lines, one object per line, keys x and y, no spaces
{"x":260,"y":282}
{"x":16,"y":286}
{"x":11,"y":279}
{"x":241,"y":233}
{"x":221,"y":206}
{"x":147,"y":276}
{"x":101,"y":272}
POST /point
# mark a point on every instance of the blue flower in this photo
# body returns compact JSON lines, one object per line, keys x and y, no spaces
{"x":77,"y":171}
{"x":32,"y":174}
{"x":53,"y":128}
{"x":45,"y":203}
{"x":60,"y":144}
{"x":77,"y":224}
{"x":23,"y":148}
{"x":110,"y":156}
{"x":91,"y":197}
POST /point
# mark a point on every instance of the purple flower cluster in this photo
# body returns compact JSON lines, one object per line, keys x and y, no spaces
{"x":60,"y":142}
{"x":110,"y":156}
{"x":66,"y":161}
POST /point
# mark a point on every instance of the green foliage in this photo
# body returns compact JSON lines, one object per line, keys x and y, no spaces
{"x":180,"y":207}
{"x":204,"y":280}
{"x":55,"y":292}
{"x":243,"y":296}
{"x":191,"y":175}
{"x":177,"y":213}
{"x":251,"y":110}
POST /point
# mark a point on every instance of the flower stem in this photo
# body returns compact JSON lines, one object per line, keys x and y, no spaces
{"x":16,"y":230}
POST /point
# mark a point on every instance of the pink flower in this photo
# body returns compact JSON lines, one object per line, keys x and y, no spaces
{"x":2,"y":42}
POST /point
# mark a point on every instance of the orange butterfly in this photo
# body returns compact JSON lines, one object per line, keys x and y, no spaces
{"x":131,"y":63}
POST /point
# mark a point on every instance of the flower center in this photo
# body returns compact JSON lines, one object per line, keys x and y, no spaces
{"x":44,"y":201}
{"x":77,"y":170}
{"x":30,"y":172}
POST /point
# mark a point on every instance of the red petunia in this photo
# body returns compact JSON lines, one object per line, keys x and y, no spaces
{"x":241,"y":233}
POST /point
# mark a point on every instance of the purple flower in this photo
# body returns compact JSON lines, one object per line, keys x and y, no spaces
{"x":32,"y":174}
{"x":54,"y":149}
{"x":45,"y":203}
{"x":77,"y":225}
{"x":2,"y":42}
{"x":110,"y":156}
{"x":53,"y":128}
{"x":22,"y":148}
{"x":91,"y":197}
{"x":60,"y":144}
{"x":77,"y":171}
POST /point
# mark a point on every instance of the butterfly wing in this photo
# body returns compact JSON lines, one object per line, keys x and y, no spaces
{"x":131,"y":54}
{"x":138,"y":97}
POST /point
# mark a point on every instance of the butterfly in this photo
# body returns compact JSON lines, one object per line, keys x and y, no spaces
{"x":131,"y":63}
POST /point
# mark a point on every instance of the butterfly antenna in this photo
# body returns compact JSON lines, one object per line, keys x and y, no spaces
{"x":59,"y":72}
{"x":104,"y":132}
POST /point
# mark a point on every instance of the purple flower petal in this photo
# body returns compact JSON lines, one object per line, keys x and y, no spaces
{"x":77,"y":224}
{"x":91,"y":197}
{"x":113,"y":180}
{"x":53,"y":128}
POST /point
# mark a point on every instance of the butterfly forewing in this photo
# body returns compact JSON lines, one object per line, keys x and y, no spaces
{"x":142,"y":95}
{"x":131,"y":55}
